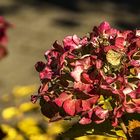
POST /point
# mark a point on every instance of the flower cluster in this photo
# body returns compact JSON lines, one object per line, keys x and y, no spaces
{"x":96,"y":77}
{"x":3,"y":36}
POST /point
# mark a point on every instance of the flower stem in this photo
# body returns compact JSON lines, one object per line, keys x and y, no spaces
{"x":123,"y":126}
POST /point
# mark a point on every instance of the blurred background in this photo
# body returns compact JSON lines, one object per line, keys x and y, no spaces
{"x":38,"y":23}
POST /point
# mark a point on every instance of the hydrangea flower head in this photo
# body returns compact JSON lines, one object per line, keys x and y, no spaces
{"x":96,"y":77}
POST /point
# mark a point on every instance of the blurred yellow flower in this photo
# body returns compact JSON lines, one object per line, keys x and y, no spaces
{"x":20,"y":91}
{"x":55,"y":128}
{"x":10,"y":112}
{"x":39,"y":137}
{"x":29,"y":126}
{"x":95,"y":137}
{"x":27,"y":106}
{"x":12,"y":134}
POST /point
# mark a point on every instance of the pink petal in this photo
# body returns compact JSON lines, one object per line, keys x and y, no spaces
{"x":135,"y":63}
{"x":62,"y":97}
{"x":93,"y":99}
{"x":107,"y":48}
{"x":78,"y":105}
{"x":103,"y":27}
{"x":138,"y":33}
{"x":118,"y":111}
{"x":112,"y":32}
{"x":98,"y":63}
{"x":83,"y":41}
{"x":138,"y":42}
{"x":76,"y":73}
{"x":46,"y":73}
{"x":85,"y":120}
{"x":86,"y":105}
{"x":34,"y":98}
{"x":119,"y":42}
{"x":85,"y":78}
{"x":110,"y":79}
{"x":76,"y":39}
{"x":71,"y":42}
{"x":46,"y":98}
{"x":130,"y":107}
{"x":83,"y":87}
{"x":69,"y":107}
{"x":101,"y":113}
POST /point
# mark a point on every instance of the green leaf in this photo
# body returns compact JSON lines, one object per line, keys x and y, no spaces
{"x":119,"y":133}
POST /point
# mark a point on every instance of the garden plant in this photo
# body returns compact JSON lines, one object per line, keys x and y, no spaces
{"x":95,"y":79}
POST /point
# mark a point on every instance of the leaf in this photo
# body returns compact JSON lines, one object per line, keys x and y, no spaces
{"x":107,"y":106}
{"x":113,"y":57}
{"x":119,"y":133}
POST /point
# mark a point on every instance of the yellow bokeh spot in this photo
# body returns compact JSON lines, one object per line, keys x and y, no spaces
{"x":39,"y":137}
{"x":20,"y":91}
{"x":95,"y":137}
{"x":12,"y":134}
{"x":29,"y":126}
{"x":55,"y":128}
{"x":27,"y":106}
{"x":10,"y":112}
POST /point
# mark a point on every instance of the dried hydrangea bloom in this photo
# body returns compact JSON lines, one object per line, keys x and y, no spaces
{"x":4,"y":25}
{"x":96,"y":77}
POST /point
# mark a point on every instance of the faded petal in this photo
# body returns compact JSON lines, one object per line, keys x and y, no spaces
{"x":62,"y":97}
{"x":104,"y":26}
{"x":69,"y":107}
{"x":85,"y":120}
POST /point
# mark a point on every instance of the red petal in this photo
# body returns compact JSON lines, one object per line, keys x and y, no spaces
{"x":119,"y":42}
{"x":138,"y":42}
{"x":103,"y":27}
{"x":76,"y":39}
{"x":86,"y":105}
{"x":78,"y":105}
{"x":85,"y":78}
{"x":85,"y":120}
{"x":69,"y":107}
{"x":71,"y":42}
{"x":46,"y":73}
{"x":93,"y":99}
{"x":62,"y":97}
{"x":101,"y":113}
{"x":98,"y":64}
